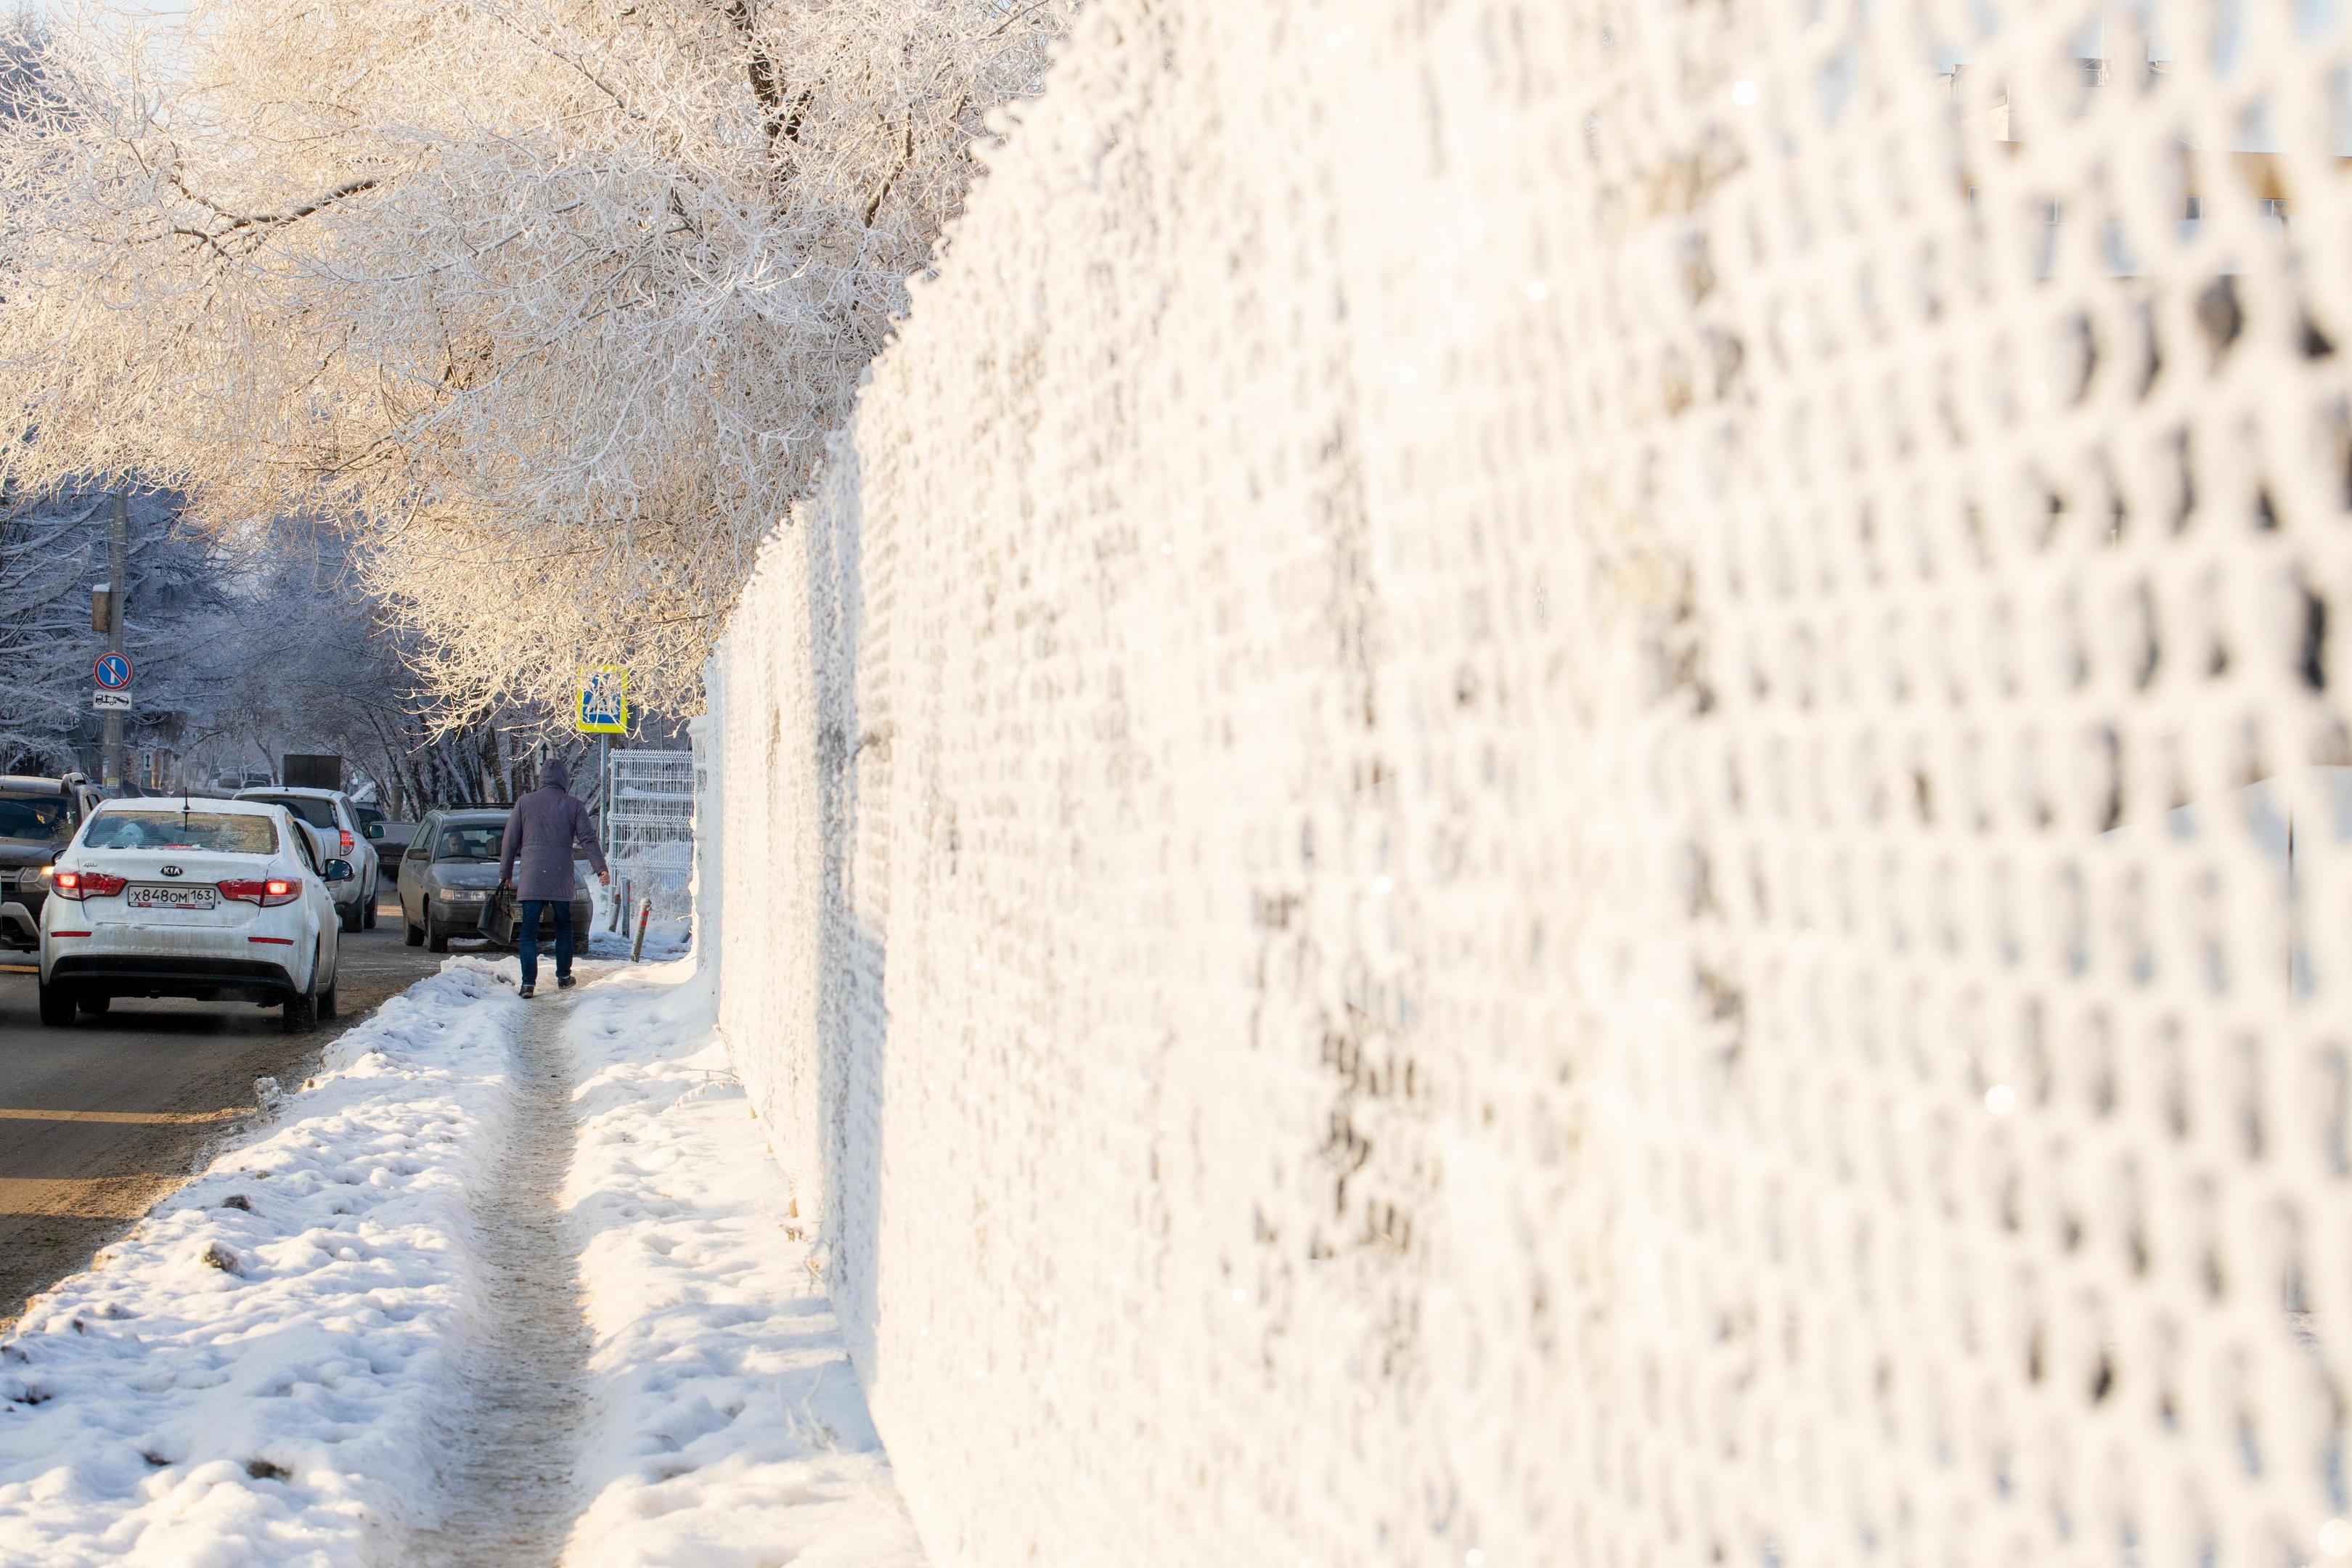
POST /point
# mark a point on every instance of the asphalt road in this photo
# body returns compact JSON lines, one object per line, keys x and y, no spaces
{"x":98,"y":1121}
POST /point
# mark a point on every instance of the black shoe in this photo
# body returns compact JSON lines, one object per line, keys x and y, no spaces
{"x":564,"y":983}
{"x":529,"y":989}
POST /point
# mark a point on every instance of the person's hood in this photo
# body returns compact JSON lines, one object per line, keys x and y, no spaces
{"x":556,"y":775}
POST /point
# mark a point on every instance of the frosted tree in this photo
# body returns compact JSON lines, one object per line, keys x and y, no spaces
{"x":315,"y":665}
{"x":53,"y":551}
{"x":552,"y":301}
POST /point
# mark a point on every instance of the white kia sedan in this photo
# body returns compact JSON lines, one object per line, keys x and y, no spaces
{"x":209,"y":899}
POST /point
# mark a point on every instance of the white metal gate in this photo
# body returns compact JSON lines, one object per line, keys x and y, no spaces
{"x":650,"y":826}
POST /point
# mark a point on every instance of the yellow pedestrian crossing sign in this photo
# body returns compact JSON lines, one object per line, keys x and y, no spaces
{"x":603,"y":705}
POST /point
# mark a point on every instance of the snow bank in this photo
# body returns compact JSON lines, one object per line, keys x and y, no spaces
{"x":669,"y":936}
{"x":731,"y":1427}
{"x":267,"y":1369}
{"x":252,"y":1376}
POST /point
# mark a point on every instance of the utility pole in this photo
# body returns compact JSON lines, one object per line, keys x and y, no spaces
{"x":116,"y":594}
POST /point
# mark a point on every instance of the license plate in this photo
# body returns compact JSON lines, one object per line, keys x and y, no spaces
{"x":173,"y":898}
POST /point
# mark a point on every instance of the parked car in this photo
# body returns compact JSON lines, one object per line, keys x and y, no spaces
{"x":86,"y":793}
{"x":222,"y":899}
{"x":394,"y":836}
{"x":330,"y":814}
{"x":450,"y":870}
{"x":38,"y":816}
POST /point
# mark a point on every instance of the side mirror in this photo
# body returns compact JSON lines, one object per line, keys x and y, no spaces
{"x":339,"y":870}
{"x":373,"y":830}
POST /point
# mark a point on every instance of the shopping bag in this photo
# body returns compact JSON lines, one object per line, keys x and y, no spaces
{"x":499,"y":918}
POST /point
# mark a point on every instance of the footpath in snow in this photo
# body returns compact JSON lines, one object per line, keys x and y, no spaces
{"x":506,"y":1283}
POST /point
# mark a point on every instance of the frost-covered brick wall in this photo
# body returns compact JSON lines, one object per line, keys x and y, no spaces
{"x":1558,"y":784}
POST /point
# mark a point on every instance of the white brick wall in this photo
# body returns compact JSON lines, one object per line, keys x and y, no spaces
{"x":1445,"y":845}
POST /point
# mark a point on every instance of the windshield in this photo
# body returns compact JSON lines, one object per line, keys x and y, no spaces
{"x":38,"y":819}
{"x":306,"y":808}
{"x":474,"y":841}
{"x":230,"y":834}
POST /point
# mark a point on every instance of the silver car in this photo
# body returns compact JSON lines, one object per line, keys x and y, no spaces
{"x":336,"y":829}
{"x":449,"y":870}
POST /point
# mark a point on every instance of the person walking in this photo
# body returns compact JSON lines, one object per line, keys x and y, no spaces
{"x":540,"y":832}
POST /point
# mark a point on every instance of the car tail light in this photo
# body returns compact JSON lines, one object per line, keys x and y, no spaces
{"x":80,"y":884}
{"x":277,"y":891}
{"x":347,"y":842}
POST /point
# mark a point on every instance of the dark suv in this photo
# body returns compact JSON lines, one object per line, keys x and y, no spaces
{"x":37,"y":818}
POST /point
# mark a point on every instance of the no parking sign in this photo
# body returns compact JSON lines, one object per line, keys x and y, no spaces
{"x":112,"y":673}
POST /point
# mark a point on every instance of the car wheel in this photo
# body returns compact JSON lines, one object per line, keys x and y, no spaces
{"x":327,"y":1001}
{"x":435,"y":938}
{"x":367,"y":911}
{"x":349,"y":915}
{"x":410,"y":935}
{"x":93,"y":1003}
{"x":57,"y":1005}
{"x":301,"y":1014}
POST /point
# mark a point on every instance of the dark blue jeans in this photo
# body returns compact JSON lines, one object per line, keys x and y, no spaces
{"x":527,"y":938}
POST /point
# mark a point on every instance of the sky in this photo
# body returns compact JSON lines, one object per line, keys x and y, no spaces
{"x":134,"y":7}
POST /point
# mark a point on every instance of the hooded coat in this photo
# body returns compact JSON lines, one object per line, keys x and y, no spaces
{"x":545,"y":825}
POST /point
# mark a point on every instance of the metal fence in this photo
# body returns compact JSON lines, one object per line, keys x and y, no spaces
{"x":650,"y":826}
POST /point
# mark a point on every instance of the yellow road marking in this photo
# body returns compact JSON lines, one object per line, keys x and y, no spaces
{"x":95,"y":1197}
{"x":120,"y":1118}
{"x":19,"y":969}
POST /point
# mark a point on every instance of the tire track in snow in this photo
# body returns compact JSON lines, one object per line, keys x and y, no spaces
{"x":508,"y":1473}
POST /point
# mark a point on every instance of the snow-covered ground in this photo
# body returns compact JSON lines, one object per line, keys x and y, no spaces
{"x":667,"y":934}
{"x":732,"y":1427}
{"x":265,"y":1371}
{"x":249,"y":1376}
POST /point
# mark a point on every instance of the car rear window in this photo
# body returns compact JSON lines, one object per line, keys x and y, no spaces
{"x":229,"y":833}
{"x":35,"y":820}
{"x":474,"y":841}
{"x":305,"y":807}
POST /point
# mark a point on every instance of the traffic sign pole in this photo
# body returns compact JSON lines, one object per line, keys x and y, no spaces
{"x":117,"y":584}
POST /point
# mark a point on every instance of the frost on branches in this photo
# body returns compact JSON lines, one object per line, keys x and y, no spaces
{"x":553,"y":302}
{"x":53,"y":551}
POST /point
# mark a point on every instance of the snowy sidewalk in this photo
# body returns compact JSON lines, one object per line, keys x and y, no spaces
{"x":733,"y":1429}
{"x":344,"y":1341}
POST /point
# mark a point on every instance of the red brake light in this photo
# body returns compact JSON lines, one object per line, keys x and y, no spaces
{"x":268,"y":895}
{"x":346,"y":843}
{"x":76,"y":886}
